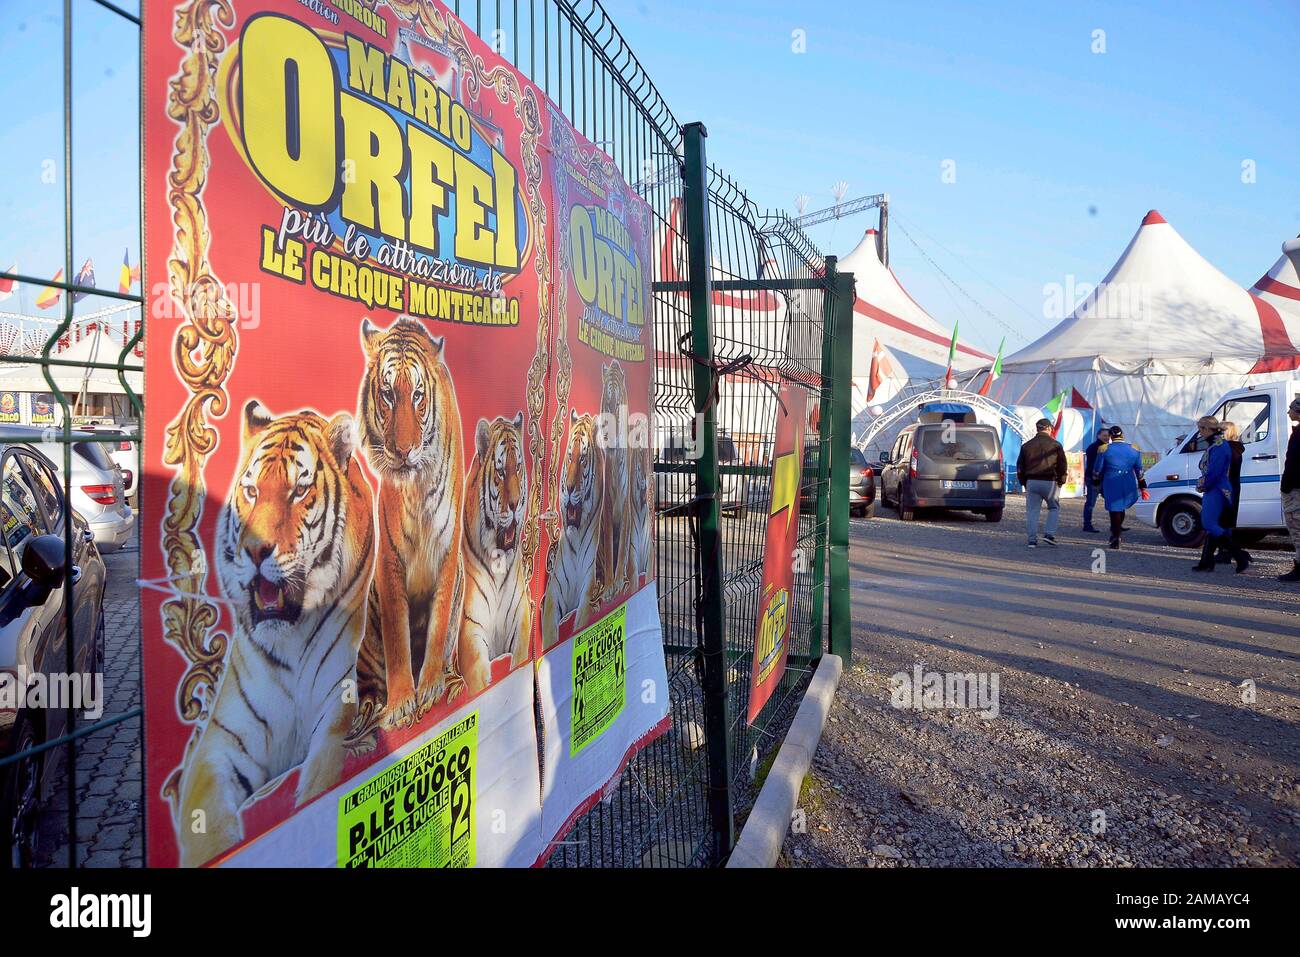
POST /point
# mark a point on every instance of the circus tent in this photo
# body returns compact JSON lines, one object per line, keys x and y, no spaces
{"x":1280,"y":287}
{"x":1157,"y":342}
{"x":885,"y":312}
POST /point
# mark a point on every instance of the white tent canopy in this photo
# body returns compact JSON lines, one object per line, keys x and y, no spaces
{"x":884,"y":312}
{"x":97,"y":347}
{"x":1157,"y":342}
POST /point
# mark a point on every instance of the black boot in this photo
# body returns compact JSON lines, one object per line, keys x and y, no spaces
{"x":1236,"y":553}
{"x":1206,"y":563}
{"x":1293,"y":575}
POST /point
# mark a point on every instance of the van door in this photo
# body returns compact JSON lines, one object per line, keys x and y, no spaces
{"x":1261,"y":463}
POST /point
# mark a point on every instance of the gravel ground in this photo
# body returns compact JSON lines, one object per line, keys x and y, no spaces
{"x":1121,"y":737}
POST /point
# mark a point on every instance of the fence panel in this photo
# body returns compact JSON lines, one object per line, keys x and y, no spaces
{"x":743,"y":302}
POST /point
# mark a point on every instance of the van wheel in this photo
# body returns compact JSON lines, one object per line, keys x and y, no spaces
{"x":993,"y":514}
{"x":1181,"y":524}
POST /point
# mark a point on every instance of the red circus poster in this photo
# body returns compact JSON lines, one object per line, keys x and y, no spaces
{"x":772,"y":630}
{"x":362,"y":377}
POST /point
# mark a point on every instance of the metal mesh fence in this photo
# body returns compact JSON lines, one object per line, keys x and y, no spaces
{"x":766,"y":318}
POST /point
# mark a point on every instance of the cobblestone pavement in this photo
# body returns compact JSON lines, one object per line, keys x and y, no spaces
{"x":110,"y":820}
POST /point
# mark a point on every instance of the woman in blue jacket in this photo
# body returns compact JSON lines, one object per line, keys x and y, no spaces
{"x":1215,"y":487}
{"x":1119,"y":470}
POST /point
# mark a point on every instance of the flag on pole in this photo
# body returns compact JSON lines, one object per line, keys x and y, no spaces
{"x":876,"y":376}
{"x":7,"y":285}
{"x":50,"y":295}
{"x":84,"y":278}
{"x":1056,"y":409}
{"x":948,"y":381}
{"x":124,"y":280}
{"x":996,"y":371}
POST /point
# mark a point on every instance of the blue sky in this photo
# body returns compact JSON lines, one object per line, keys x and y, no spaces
{"x":1040,"y":128}
{"x":1058,"y":150}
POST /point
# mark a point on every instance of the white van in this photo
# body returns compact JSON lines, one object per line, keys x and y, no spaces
{"x":1175,"y":505}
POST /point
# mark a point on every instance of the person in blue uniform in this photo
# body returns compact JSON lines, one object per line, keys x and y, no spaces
{"x":1119,"y":472}
{"x":1216,"y":491}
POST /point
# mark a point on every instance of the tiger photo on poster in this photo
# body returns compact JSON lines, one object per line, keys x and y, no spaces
{"x":345,"y":541}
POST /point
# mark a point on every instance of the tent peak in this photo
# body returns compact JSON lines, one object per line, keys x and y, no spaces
{"x":1152,"y":218}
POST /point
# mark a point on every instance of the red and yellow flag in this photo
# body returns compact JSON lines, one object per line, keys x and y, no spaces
{"x":50,"y":295}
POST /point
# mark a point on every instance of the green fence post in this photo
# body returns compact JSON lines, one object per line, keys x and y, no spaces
{"x":711,"y":617}
{"x":841,"y":625}
{"x":824,"y":456}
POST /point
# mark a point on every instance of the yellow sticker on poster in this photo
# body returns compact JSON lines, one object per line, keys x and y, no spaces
{"x":599,"y":678}
{"x":417,"y":813}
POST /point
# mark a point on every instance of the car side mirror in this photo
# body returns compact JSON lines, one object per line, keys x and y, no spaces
{"x":43,"y":560}
{"x":884,"y":458}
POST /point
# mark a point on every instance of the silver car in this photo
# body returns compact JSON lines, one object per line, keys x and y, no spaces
{"x":96,"y":491}
{"x":123,"y":451}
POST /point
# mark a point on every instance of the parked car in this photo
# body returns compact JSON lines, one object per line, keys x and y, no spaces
{"x":97,"y":485}
{"x":862,"y":483}
{"x":944,"y":465}
{"x":675,"y":488}
{"x":35,"y":587}
{"x":123,"y":452}
{"x":1175,"y":505}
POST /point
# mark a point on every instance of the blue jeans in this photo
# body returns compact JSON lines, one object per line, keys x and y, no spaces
{"x":1089,"y":502}
{"x":1037,"y":493}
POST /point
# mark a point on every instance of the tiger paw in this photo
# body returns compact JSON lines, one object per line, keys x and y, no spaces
{"x":429,"y":695}
{"x":401,"y":714}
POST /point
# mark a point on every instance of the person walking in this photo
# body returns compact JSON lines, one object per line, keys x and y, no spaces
{"x":1291,"y":489}
{"x":1041,"y":468}
{"x":1119,"y":471}
{"x":1232,"y":439}
{"x":1215,"y":487}
{"x":1091,"y":488}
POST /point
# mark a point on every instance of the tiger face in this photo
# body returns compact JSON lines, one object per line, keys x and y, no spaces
{"x":403,"y":395}
{"x":578,"y":491}
{"x":281,"y":538}
{"x":503,"y":483}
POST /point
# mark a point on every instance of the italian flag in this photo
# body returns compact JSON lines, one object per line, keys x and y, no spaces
{"x":996,"y":371}
{"x":948,"y":381}
{"x":1056,"y":409}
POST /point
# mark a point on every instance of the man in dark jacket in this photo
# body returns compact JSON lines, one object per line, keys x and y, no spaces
{"x":1092,"y":488}
{"x":1041,"y":469}
{"x":1291,"y":489}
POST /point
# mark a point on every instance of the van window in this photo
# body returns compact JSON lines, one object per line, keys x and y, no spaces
{"x":1251,"y":414}
{"x":960,"y":445}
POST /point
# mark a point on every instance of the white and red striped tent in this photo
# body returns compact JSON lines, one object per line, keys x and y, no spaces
{"x":1157,"y":342}
{"x":1280,"y":287}
{"x":884,"y":312}
{"x":893,"y":335}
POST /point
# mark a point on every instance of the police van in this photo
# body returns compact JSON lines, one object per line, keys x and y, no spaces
{"x":1260,"y":412}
